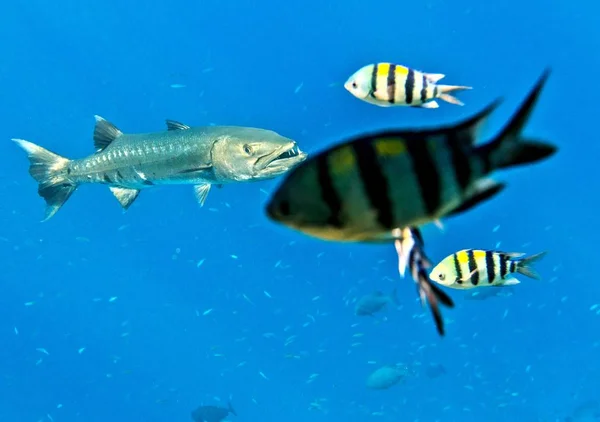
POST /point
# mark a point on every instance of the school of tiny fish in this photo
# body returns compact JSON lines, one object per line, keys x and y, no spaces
{"x":376,"y":188}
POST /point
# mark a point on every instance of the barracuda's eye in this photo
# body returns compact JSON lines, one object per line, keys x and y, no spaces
{"x":248,"y":149}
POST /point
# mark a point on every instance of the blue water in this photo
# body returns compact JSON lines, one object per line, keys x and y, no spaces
{"x":102,"y":312}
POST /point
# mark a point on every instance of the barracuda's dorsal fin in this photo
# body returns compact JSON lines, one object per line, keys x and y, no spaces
{"x":104,"y":133}
{"x":175,"y":125}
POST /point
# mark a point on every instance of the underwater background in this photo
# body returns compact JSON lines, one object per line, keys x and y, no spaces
{"x":145,"y":315}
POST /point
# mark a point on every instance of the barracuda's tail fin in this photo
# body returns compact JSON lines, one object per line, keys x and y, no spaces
{"x":49,"y":170}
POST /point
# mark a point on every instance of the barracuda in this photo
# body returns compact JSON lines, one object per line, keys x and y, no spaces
{"x":127,"y":163}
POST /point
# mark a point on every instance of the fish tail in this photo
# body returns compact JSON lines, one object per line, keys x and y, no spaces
{"x":444,"y":93}
{"x":394,"y":297}
{"x":525,"y":265}
{"x":49,"y":170}
{"x":230,"y":408}
{"x":510,"y":148}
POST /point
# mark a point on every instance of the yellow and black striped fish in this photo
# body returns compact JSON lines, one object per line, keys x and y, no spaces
{"x":362,"y":189}
{"x":388,"y":84}
{"x":471,"y":268}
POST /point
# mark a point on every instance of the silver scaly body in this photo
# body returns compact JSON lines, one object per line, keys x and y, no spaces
{"x":128,"y":163}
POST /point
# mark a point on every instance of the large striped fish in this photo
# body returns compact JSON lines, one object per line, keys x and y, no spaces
{"x":362,"y":189}
{"x":471,"y":268}
{"x":388,"y":84}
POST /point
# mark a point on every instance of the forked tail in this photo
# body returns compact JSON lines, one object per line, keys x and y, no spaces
{"x":525,"y":265}
{"x":445,"y":90}
{"x":49,"y":170}
{"x":510,"y":148}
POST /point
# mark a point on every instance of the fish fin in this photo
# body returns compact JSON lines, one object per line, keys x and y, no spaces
{"x":434,"y":77}
{"x":125,"y":196}
{"x":201,"y":192}
{"x":50,"y":171}
{"x":509,"y":148}
{"x":231,"y":409}
{"x":485,"y":189}
{"x":524,"y":265}
{"x":175,"y":125}
{"x":510,"y":282}
{"x":104,"y":133}
{"x":429,"y":104}
{"x":428,"y":292}
{"x":444,"y":90}
{"x":438,"y":223}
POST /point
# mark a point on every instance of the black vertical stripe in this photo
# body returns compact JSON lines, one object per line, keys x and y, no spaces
{"x":328,"y":192}
{"x":457,"y":269}
{"x":375,"y":182}
{"x":391,"y":84}
{"x":374,"y":80}
{"x":474,"y":274}
{"x":513,"y":266}
{"x":489,"y":266}
{"x":409,"y":86}
{"x":424,"y":89}
{"x":435,"y":91}
{"x":461,"y":160}
{"x":426,"y":172}
{"x":503,"y":266}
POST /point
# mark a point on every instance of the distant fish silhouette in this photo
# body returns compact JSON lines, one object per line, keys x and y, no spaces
{"x":212,"y":413}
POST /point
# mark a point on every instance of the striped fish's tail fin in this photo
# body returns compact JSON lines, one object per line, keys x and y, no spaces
{"x":525,"y":265}
{"x":49,"y":170}
{"x":409,"y":246}
{"x":509,"y":148}
{"x":444,"y":93}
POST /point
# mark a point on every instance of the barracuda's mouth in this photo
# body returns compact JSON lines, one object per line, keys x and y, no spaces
{"x":280,"y":160}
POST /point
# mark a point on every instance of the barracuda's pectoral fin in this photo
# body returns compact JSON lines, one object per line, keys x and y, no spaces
{"x":201,"y":192}
{"x":104,"y":133}
{"x":175,"y":125}
{"x":125,"y":196}
{"x":484,"y":190}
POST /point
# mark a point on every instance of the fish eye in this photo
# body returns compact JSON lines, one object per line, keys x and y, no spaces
{"x":354,"y":85}
{"x":442,"y":276}
{"x":248,"y":149}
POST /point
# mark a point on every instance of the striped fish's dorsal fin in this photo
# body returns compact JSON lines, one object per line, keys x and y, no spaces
{"x":469,"y":128}
{"x":175,"y":125}
{"x":104,"y":133}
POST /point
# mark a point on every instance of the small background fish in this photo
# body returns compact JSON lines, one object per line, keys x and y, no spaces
{"x":388,"y":84}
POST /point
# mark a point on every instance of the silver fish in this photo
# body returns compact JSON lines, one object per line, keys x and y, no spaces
{"x":374,"y":302}
{"x":212,"y":413}
{"x":387,"y":376}
{"x":127,"y":163}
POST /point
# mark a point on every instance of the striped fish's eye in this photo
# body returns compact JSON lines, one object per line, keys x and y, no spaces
{"x":442,"y":276}
{"x":354,"y":85}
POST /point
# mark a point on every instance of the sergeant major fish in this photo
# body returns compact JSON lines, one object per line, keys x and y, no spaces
{"x":388,"y":84}
{"x":128,"y":163}
{"x":362,"y":189}
{"x":374,"y":302}
{"x":468,"y":268}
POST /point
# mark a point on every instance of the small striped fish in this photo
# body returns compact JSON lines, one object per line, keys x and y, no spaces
{"x":387,"y":85}
{"x":364,"y":188}
{"x":472,"y":268}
